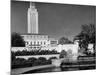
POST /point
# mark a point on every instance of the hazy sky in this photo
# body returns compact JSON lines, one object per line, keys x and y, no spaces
{"x":55,"y":20}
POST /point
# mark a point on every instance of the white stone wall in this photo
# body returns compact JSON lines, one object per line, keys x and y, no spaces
{"x":90,"y":47}
{"x":36,"y":41}
{"x":32,"y":20}
{"x":37,"y":56}
{"x":56,"y":62}
{"x":18,"y":49}
{"x":59,"y":48}
{"x":66,"y":47}
{"x":70,"y":47}
{"x":49,"y":47}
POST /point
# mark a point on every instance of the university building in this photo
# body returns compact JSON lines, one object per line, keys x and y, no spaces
{"x":34,"y":40}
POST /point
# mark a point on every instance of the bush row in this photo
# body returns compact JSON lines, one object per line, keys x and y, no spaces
{"x":35,"y":52}
{"x":21,"y":62}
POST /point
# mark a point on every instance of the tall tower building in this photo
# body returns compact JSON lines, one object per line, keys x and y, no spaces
{"x":32,"y":19}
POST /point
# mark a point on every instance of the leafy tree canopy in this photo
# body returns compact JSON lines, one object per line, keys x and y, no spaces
{"x":86,"y":36}
{"x":17,"y":40}
{"x":64,"y":40}
{"x":88,"y":33}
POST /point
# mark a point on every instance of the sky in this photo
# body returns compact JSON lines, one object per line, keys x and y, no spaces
{"x":55,"y":20}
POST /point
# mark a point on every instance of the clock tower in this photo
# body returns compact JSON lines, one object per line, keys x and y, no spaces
{"x":32,"y":19}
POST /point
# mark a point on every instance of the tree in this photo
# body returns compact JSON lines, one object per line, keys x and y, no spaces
{"x":41,"y":61}
{"x":32,"y":59}
{"x":13,"y":57}
{"x":63,"y":54}
{"x":17,"y":40}
{"x":90,"y":31}
{"x":69,"y":55}
{"x":42,"y":58}
{"x":64,"y":40}
{"x":86,"y":36}
{"x":51,"y":58}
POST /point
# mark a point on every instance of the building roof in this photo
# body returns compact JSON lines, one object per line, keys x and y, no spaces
{"x":31,"y":34}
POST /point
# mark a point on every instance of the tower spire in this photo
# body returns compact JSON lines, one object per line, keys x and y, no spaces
{"x":32,"y":19}
{"x":32,"y":5}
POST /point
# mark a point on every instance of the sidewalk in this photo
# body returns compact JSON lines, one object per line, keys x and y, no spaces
{"x":22,"y":70}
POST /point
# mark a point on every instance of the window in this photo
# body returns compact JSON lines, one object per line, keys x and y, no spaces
{"x":44,"y":43}
{"x":26,"y":42}
{"x":41,"y":42}
{"x":31,"y":43}
{"x":53,"y":42}
{"x":34,"y":42}
{"x":34,"y":47}
{"x":38,"y":42}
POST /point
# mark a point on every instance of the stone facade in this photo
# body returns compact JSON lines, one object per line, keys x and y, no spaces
{"x":90,"y":47}
{"x":37,"y":56}
{"x":38,"y":41}
{"x":32,"y":19}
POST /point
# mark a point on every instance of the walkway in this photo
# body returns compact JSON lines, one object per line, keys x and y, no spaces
{"x":22,"y":70}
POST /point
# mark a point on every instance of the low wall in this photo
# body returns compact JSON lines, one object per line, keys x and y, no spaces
{"x":56,"y":62}
{"x":15,"y":49}
{"x":71,"y":49}
{"x":37,"y":56}
{"x":66,"y":47}
{"x":59,"y":48}
{"x":90,"y":48}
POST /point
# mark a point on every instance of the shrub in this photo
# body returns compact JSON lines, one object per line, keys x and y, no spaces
{"x":31,"y":60}
{"x":53,"y":58}
{"x":19,"y":61}
{"x":63,"y":54}
{"x":50,"y":59}
{"x":34,"y":52}
{"x":42,"y":59}
{"x":13,"y":57}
